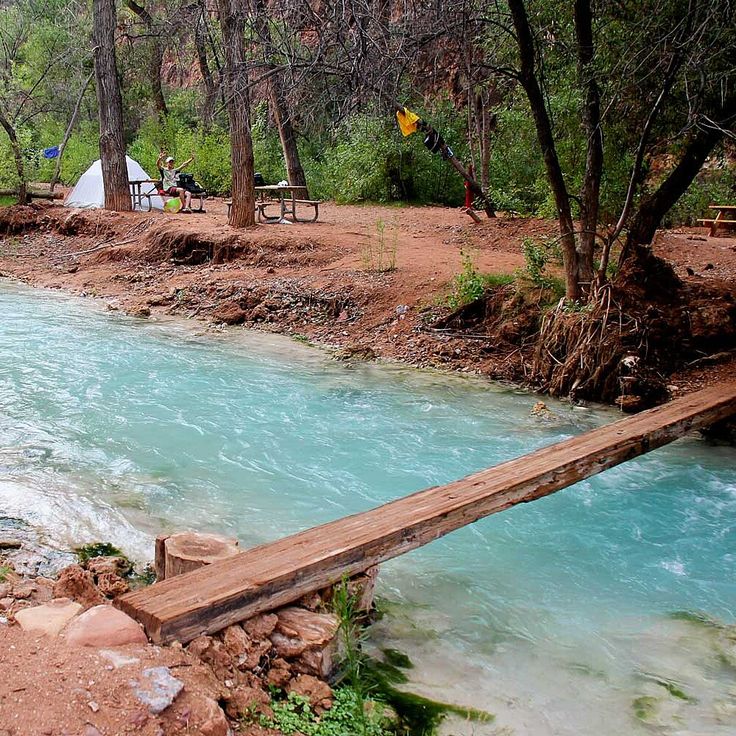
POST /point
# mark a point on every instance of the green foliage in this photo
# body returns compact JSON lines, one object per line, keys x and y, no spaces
{"x":142,"y":579}
{"x":537,"y":255}
{"x":87,"y":552}
{"x":294,"y":715}
{"x":470,"y":284}
{"x":351,"y":634}
{"x":4,"y":572}
{"x":366,"y":159}
{"x":374,"y":678}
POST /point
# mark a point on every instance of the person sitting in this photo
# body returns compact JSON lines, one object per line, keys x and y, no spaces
{"x":169,"y":179}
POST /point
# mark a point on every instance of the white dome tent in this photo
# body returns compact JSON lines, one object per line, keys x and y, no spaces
{"x":90,"y":189}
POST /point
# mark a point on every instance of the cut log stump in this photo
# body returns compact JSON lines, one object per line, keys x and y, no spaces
{"x":187,"y":551}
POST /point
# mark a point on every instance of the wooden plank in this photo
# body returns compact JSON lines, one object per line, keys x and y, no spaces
{"x":274,"y":574}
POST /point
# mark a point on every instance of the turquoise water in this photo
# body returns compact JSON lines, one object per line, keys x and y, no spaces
{"x":554,"y":615}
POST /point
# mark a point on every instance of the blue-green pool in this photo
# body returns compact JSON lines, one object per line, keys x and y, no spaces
{"x":555,"y":615}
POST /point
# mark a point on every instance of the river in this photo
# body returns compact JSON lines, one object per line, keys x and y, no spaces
{"x":559,"y":617}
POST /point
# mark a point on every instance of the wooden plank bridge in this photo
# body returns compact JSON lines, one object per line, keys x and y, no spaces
{"x":271,"y":575}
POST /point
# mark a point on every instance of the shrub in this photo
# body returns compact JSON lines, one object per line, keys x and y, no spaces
{"x":470,"y":284}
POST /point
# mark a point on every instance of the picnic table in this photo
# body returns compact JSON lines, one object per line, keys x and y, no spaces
{"x":724,"y":215}
{"x":286,"y":198}
{"x":138,"y":196}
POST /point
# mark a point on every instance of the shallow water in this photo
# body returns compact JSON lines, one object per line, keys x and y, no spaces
{"x":553,"y":615}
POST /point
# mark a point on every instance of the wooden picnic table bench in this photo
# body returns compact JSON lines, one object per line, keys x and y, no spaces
{"x":723,"y":211}
{"x":286,"y":198}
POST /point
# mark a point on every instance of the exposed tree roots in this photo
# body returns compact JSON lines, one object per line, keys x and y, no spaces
{"x":631,"y":335}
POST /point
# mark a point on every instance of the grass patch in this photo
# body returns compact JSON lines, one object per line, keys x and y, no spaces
{"x":4,"y":572}
{"x":380,"y":255}
{"x":8,"y":200}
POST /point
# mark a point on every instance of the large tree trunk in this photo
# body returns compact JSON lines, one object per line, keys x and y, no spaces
{"x":282,"y":118}
{"x":654,"y":207}
{"x":156,"y":57}
{"x":281,"y":115}
{"x":591,"y":115}
{"x":18,"y":156}
{"x":232,"y":22}
{"x":68,"y":131}
{"x":110,"y":104}
{"x":543,"y":126}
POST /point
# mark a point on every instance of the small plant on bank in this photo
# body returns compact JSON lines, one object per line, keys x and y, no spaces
{"x":97,"y":549}
{"x":536,"y":256}
{"x":470,"y":284}
{"x":352,"y":634}
{"x":380,"y":256}
{"x":4,"y":572}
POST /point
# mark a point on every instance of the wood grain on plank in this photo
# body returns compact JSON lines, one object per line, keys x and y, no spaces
{"x":274,"y":574}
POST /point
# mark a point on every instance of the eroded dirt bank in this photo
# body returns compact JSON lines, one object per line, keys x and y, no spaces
{"x":326,"y":282}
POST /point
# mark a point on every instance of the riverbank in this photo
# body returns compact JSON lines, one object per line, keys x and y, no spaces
{"x":366,"y":281}
{"x":100,"y":676}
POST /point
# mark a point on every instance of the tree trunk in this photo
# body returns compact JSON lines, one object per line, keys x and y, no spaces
{"x":18,"y":156}
{"x":156,"y":58}
{"x":591,"y":117}
{"x":210,"y":88}
{"x":484,"y":124}
{"x":110,"y":104}
{"x":232,"y":22}
{"x":282,"y":118}
{"x":654,"y":207}
{"x":68,"y":131}
{"x":543,"y":126}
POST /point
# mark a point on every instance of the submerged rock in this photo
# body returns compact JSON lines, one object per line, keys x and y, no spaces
{"x":28,"y":551}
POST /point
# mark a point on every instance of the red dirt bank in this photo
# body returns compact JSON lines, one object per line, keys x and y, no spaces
{"x":314,"y":280}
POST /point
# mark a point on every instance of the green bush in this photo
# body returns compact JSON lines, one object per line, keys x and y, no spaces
{"x":470,"y":284}
{"x":295,"y":715}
